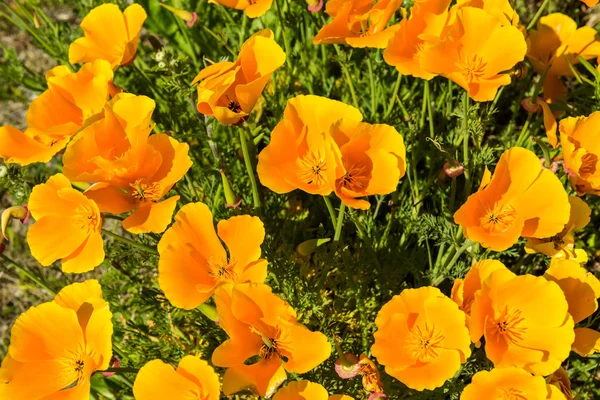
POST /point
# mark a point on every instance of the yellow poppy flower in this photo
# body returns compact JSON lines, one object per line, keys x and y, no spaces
{"x":509,"y":204}
{"x":562,"y":244}
{"x":193,"y":262}
{"x":230,"y":90}
{"x":582,"y":290}
{"x":55,"y":347}
{"x":359,"y":23}
{"x":260,"y":323}
{"x":560,"y":384}
{"x":556,"y":45}
{"x":508,"y":312}
{"x":193,"y":377}
{"x":302,"y":153}
{"x":580,"y":137}
{"x":421,"y":339}
{"x":501,"y":9}
{"x":476,"y":53}
{"x":58,"y":113}
{"x":305,"y":390}
{"x":109,"y":34}
{"x":68,"y":226}
{"x":252,"y":8}
{"x":505,"y":383}
{"x":374,"y":160}
{"x":133,"y":169}
{"x":590,"y":3}
{"x":414,"y":35}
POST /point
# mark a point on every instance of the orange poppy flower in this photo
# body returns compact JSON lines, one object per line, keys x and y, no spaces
{"x":555,"y":45}
{"x":550,"y":124}
{"x":359,"y":23}
{"x":580,"y":137}
{"x":581,"y":289}
{"x":558,"y":384}
{"x":193,"y":262}
{"x":421,"y":339}
{"x":305,"y":390}
{"x":261,"y":324}
{"x":109,"y":34}
{"x":58,"y":113}
{"x":463,"y":291}
{"x":252,"y":8}
{"x":133,"y":170}
{"x":501,"y":9}
{"x":302,"y":153}
{"x":193,"y":377}
{"x":562,"y":244}
{"x":374,"y":160}
{"x":590,"y":3}
{"x":476,"y":53}
{"x":68,"y":226}
{"x":55,"y":347}
{"x":525,"y":321}
{"x":505,"y":383}
{"x":510,"y":203}
{"x":230,"y":90}
{"x":371,"y":379}
{"x":414,"y":35}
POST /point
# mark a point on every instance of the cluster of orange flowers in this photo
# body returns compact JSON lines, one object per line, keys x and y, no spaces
{"x":320,"y":146}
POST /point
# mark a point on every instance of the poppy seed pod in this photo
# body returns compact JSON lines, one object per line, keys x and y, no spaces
{"x":17,"y":212}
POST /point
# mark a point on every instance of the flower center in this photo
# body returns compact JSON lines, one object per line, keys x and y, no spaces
{"x":234,"y":105}
{"x":425,"y":343}
{"x":512,"y":394}
{"x":222,"y":270}
{"x":509,"y":326}
{"x":146,"y":191}
{"x":355,"y":179}
{"x":311,"y":169}
{"x":500,"y":219}
{"x":87,"y":218}
{"x":473,"y":68}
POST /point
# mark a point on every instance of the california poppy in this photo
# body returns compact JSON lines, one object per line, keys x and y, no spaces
{"x":507,"y":311}
{"x":590,"y":3}
{"x":580,"y":137}
{"x":534,"y":106}
{"x":556,"y":45}
{"x":582,"y":290}
{"x":306,"y":390}
{"x":509,"y":204}
{"x":374,"y":160}
{"x":109,"y":34}
{"x":55,"y":347}
{"x":359,"y":23}
{"x":133,"y":169}
{"x":58,"y":113}
{"x":464,"y":290}
{"x":262,"y":326}
{"x":508,"y":383}
{"x":421,"y":339}
{"x":476,"y":53}
{"x":193,"y":262}
{"x":559,"y":383}
{"x":68,"y":226}
{"x":501,"y":9}
{"x":562,"y":244}
{"x":230,"y":90}
{"x":252,"y":8}
{"x":414,"y":34}
{"x":193,"y":377}
{"x":302,"y":153}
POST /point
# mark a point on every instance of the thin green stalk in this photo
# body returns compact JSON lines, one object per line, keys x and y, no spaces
{"x":429,"y":109}
{"x":250,"y":170}
{"x":524,"y":131}
{"x":347,"y":77}
{"x":219,"y":39}
{"x":538,"y":15}
{"x":372,"y":81}
{"x":126,"y":370}
{"x":130,"y":242}
{"x":338,"y":229}
{"x":331,"y":211}
{"x":440,"y":277}
{"x":393,"y":97}
{"x":27,"y":273}
{"x":288,"y":52}
{"x":465,"y":127}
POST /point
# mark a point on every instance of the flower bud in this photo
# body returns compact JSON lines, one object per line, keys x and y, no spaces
{"x":377,"y":396}
{"x":308,"y":247}
{"x":453,"y":170}
{"x":189,"y":17}
{"x":231,"y":199}
{"x":531,"y":106}
{"x":315,"y":5}
{"x":209,"y":312}
{"x":17,"y":212}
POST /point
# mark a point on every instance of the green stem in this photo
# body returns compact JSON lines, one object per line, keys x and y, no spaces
{"x":27,"y":273}
{"x":331,"y":211}
{"x":347,"y":77}
{"x":127,"y":370}
{"x":338,"y":229}
{"x":393,"y":98}
{"x":288,"y":52}
{"x":130,"y":242}
{"x":429,"y":109}
{"x":467,"y":172}
{"x":524,"y":131}
{"x":250,"y":170}
{"x":372,"y":81}
{"x":538,"y":15}
{"x":440,"y":278}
